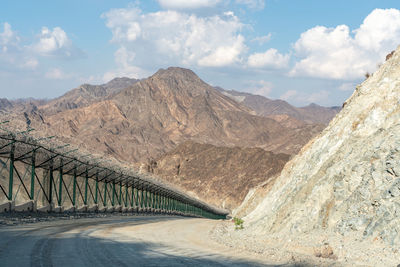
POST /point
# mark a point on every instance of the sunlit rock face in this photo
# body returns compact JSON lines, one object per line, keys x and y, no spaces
{"x":347,"y":179}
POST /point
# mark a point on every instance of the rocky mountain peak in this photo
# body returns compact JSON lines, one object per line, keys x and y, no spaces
{"x":179,"y":80}
{"x":313,"y":105}
{"x":176,"y":73}
{"x":118,"y":84}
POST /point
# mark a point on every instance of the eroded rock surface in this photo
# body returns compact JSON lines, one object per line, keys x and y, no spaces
{"x":222,"y":176}
{"x":347,"y":180}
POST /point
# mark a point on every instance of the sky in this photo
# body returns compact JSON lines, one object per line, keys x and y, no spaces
{"x":301,"y":51}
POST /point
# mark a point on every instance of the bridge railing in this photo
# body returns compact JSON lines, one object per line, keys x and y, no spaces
{"x":39,"y":174}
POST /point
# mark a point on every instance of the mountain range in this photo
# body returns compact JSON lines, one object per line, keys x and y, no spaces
{"x":266,"y":107}
{"x":144,"y":121}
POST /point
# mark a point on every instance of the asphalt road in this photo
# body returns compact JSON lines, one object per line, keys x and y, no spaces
{"x":115,"y":241}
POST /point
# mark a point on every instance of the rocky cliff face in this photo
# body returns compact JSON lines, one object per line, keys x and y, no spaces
{"x":347,"y":180}
{"x":220,"y":175}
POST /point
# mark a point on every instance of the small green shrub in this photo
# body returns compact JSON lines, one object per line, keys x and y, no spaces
{"x":238,"y":223}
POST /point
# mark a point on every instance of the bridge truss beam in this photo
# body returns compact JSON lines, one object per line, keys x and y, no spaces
{"x":55,"y":180}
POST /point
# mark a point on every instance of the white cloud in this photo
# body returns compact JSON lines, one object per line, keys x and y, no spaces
{"x":336,"y":53}
{"x":288,"y":95}
{"x":317,"y":97}
{"x":347,"y":87}
{"x":259,"y":87}
{"x":123,"y":24}
{"x":380,"y":31}
{"x":29,"y":63}
{"x":8,"y":37}
{"x":224,"y":55}
{"x":254,"y":4}
{"x":13,"y":55}
{"x":262,"y":39}
{"x":56,"y":74}
{"x":56,"y":43}
{"x":9,"y":41}
{"x":187,"y":4}
{"x":302,"y":97}
{"x":269,"y":59}
{"x":91,"y":79}
{"x":264,"y":88}
{"x":176,"y":38}
{"x":124,"y":60}
{"x":16,"y":56}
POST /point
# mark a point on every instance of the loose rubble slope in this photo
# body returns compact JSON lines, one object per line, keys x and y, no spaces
{"x":347,"y":180}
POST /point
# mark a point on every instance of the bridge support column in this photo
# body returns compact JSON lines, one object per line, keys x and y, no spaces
{"x":137,"y":199}
{"x":32,"y":196}
{"x":97,"y":188}
{"x":126,"y":195}
{"x":11,"y":173}
{"x":51,"y":181}
{"x":60,"y":183}
{"x":105,"y":195}
{"x":113,"y":194}
{"x":120,"y":194}
{"x":74,"y":188}
{"x":145,"y":199}
{"x":141,"y":198}
{"x":86,"y":186}
{"x":132,"y":196}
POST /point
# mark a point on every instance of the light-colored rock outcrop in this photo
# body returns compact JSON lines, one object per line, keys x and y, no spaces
{"x":347,"y":180}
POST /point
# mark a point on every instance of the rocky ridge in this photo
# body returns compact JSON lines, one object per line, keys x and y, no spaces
{"x":266,"y":107}
{"x":85,"y":95}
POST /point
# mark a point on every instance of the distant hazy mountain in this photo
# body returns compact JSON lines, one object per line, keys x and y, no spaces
{"x":263,"y":106}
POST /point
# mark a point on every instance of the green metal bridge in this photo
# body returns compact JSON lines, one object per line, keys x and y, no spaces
{"x":40,"y":174}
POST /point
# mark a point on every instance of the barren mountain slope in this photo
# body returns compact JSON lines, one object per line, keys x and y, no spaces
{"x":85,"y":95}
{"x":343,"y":188}
{"x":151,"y":117}
{"x":5,"y":104}
{"x":154,"y":115}
{"x":102,"y":128}
{"x":220,"y":175}
{"x":263,"y":106}
{"x":317,"y":113}
{"x":177,"y":102}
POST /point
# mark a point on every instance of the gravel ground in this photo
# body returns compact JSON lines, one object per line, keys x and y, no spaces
{"x":316,"y":249}
{"x":305,"y":250}
{"x":119,"y":241}
{"x":17,"y":218}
